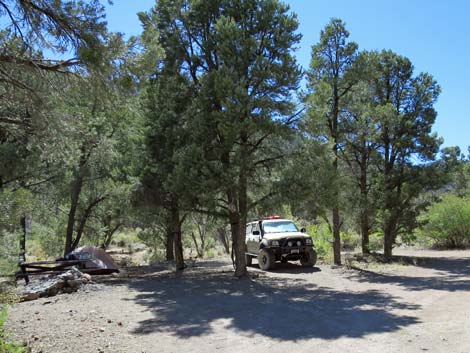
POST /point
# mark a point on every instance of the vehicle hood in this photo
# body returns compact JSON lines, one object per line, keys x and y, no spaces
{"x":285,"y":235}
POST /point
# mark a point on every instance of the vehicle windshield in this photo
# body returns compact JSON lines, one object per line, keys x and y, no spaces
{"x":279,"y":227}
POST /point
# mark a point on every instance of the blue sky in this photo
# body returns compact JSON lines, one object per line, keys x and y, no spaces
{"x":433,"y":34}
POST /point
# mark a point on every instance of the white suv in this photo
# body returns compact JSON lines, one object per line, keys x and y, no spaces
{"x":276,"y":239}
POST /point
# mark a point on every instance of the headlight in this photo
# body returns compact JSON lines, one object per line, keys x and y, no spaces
{"x":274,"y":243}
{"x":308,"y":241}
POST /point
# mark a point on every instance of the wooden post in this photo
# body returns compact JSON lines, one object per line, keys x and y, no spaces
{"x":26,"y":226}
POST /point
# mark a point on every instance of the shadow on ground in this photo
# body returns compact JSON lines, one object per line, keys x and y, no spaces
{"x":452,"y":274}
{"x":279,"y":308}
{"x":289,"y":267}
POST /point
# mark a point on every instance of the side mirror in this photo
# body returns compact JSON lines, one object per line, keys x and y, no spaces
{"x":303,"y":230}
{"x":256,"y":232}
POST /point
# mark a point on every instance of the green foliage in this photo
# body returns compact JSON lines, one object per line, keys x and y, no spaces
{"x":8,"y":294}
{"x":9,"y":250}
{"x":233,"y":102}
{"x":125,"y":237}
{"x":447,"y":222}
{"x":13,"y":205}
{"x":406,"y":117}
{"x":376,"y":241}
{"x":322,"y":240}
{"x":198,"y":114}
{"x":153,"y":237}
{"x":350,"y":241}
{"x":330,"y":78}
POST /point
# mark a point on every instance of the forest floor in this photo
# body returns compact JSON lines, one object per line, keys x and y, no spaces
{"x":422,"y":307}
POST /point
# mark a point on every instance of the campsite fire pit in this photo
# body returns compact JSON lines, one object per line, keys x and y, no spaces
{"x":88,"y":259}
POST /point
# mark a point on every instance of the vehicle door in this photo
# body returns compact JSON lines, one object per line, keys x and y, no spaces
{"x":248,"y":236}
{"x":255,"y":238}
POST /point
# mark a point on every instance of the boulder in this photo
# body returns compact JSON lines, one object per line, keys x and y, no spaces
{"x":29,"y":296}
{"x":48,"y":286}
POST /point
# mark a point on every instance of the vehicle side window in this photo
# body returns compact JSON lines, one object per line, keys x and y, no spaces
{"x":248,"y":229}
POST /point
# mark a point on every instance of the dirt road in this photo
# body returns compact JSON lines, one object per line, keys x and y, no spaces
{"x":392,"y":308}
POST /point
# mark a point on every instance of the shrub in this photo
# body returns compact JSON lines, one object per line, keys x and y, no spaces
{"x":9,"y":250}
{"x":127,"y":237}
{"x":152,"y":237}
{"x":447,"y":222}
{"x":350,"y":241}
{"x":323,"y":240}
{"x":376,"y":241}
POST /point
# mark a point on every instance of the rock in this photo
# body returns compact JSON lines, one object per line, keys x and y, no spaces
{"x":68,"y":290}
{"x":51,"y":285}
{"x":86,"y":278}
{"x":140,"y":247}
{"x":101,"y":329}
{"x":74,"y":283}
{"x":29,"y":296}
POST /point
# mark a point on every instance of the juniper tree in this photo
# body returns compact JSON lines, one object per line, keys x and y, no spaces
{"x":330,"y":79}
{"x":238,"y":56}
{"x":406,"y":143}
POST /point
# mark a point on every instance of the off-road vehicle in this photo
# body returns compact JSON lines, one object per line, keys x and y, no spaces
{"x":276,"y":239}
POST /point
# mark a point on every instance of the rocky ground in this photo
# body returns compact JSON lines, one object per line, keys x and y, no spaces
{"x":422,"y":305}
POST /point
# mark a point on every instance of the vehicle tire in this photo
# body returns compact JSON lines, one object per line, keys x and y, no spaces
{"x":309,"y":259}
{"x":266,"y":259}
{"x":248,"y":260}
{"x":284,"y":260}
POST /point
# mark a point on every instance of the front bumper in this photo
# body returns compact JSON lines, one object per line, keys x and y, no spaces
{"x":290,"y":252}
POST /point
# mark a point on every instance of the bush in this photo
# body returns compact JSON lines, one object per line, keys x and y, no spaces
{"x":323,"y":240}
{"x":350,"y":241}
{"x":126,"y":238}
{"x":9,"y":250}
{"x":376,"y":241}
{"x":152,"y":237}
{"x":447,"y":222}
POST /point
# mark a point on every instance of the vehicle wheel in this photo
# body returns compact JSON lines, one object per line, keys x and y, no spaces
{"x":284,"y":260}
{"x":248,"y":260}
{"x":266,"y":260}
{"x":309,"y":259}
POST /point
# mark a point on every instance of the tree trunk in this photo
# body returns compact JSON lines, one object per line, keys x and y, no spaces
{"x":26,"y":226}
{"x":238,"y":243}
{"x":336,"y":237}
{"x":335,"y":211}
{"x":169,"y":248}
{"x":109,"y":234}
{"x":365,"y":228}
{"x":240,"y":248}
{"x":75,"y":196}
{"x":336,"y":219}
{"x":388,"y":245}
{"x":201,"y":229}
{"x":223,"y":239}
{"x":74,"y":199}
{"x":239,"y":217}
{"x":81,"y":226}
{"x":178,"y":244}
{"x":199,"y":253}
{"x":365,"y":232}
